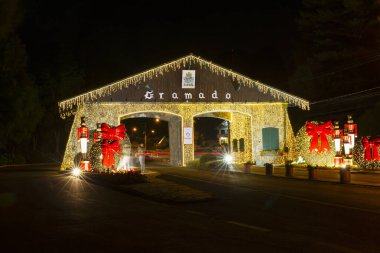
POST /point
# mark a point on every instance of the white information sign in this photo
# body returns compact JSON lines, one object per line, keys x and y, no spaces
{"x":188,"y":135}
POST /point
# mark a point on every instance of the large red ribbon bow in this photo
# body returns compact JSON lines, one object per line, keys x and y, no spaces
{"x":371,"y":149}
{"x":108,"y":151}
{"x":319,"y":131}
{"x":113,"y":133}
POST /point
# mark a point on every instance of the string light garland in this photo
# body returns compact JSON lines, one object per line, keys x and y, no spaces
{"x":69,"y":106}
{"x":358,"y":157}
{"x":246,"y":122}
{"x":302,"y":148}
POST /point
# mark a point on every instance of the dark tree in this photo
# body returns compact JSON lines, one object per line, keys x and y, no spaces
{"x":19,"y":105}
{"x":53,"y":47}
{"x":340,"y":52}
{"x":368,"y":122}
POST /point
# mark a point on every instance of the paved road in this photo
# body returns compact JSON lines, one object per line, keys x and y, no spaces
{"x":310,"y":214}
{"x":45,"y":211}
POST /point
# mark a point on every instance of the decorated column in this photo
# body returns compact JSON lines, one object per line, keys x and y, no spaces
{"x":352,"y":130}
{"x":337,"y":135}
{"x":347,"y":161}
{"x":83,"y":137}
{"x":188,"y":147}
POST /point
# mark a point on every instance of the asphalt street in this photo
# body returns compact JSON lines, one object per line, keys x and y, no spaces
{"x":43,"y":211}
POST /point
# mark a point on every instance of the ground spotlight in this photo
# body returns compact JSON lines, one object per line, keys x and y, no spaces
{"x":228,"y":158}
{"x":76,"y":172}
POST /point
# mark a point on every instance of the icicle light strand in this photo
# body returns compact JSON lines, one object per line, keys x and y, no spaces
{"x":67,"y":107}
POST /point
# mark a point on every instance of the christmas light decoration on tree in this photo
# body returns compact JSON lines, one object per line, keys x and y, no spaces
{"x":364,"y":153}
{"x":319,"y":133}
{"x":96,"y":155}
{"x":311,"y":154}
{"x":110,"y":137}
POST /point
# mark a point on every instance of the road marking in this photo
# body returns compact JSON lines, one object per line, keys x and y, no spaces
{"x":261,"y":229}
{"x":285,"y":196}
{"x":195,"y":212}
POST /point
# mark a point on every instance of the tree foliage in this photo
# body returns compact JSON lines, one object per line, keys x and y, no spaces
{"x":302,"y":149}
{"x":56,"y":69}
{"x":340,"y":52}
{"x":20,"y":108}
{"x":369,"y":123}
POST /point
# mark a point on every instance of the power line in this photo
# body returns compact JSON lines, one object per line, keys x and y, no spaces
{"x":360,"y":94}
{"x":342,"y":69}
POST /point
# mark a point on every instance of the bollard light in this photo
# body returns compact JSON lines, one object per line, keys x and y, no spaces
{"x":228,"y":158}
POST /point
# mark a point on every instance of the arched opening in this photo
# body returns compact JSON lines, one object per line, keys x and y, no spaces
{"x":152,"y":133}
{"x":158,"y":133}
{"x":212,"y":134}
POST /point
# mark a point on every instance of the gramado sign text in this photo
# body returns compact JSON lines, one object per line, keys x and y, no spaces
{"x":187,"y":95}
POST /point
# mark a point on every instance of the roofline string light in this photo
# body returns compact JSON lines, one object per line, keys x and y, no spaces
{"x":67,"y":107}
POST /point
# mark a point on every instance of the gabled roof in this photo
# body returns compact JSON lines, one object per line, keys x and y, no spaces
{"x":66,"y":106}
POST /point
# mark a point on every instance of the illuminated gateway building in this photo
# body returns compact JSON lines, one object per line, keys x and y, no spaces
{"x":182,"y":90}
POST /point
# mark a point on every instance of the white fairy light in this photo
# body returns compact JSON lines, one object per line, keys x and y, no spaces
{"x":66,"y":107}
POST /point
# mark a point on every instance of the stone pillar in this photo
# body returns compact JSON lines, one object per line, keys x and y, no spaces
{"x":175,"y":141}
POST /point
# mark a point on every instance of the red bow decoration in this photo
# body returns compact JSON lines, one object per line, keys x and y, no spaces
{"x":108,"y":151}
{"x":371,"y":149}
{"x":111,"y":137}
{"x":113,"y":133}
{"x":319,"y":131}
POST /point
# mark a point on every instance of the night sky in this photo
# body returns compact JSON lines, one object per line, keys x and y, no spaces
{"x":112,"y":40}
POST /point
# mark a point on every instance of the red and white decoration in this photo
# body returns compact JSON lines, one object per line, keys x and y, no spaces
{"x":371,"y":148}
{"x":319,"y":142}
{"x":110,"y":137}
{"x":83,"y":137}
